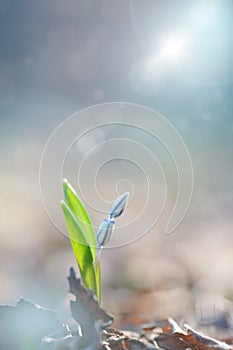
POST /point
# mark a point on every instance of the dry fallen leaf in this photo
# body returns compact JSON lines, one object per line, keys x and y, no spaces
{"x":168,"y":335}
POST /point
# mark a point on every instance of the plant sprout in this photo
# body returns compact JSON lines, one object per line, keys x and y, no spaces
{"x":86,"y":245}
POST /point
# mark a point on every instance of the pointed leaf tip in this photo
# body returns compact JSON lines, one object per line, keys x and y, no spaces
{"x":75,"y":204}
{"x":72,"y":273}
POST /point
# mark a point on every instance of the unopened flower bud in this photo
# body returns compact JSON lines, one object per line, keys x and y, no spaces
{"x":105,"y":231}
{"x":118,"y":206}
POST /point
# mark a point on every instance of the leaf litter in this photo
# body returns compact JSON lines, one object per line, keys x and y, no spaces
{"x":29,"y":327}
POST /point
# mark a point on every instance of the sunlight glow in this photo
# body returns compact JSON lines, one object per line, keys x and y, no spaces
{"x":171,"y":52}
{"x":173,"y":47}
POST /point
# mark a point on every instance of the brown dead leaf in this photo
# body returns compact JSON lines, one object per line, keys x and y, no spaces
{"x":168,"y":335}
{"x":85,"y":309}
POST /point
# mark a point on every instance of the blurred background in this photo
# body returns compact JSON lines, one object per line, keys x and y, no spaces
{"x":174,"y":56}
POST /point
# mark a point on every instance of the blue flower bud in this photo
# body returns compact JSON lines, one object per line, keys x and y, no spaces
{"x":72,"y":273}
{"x":118,"y":206}
{"x":105,"y":231}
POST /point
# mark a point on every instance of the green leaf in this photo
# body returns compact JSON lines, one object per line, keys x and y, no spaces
{"x":81,"y":215}
{"x":98,"y":282}
{"x":82,"y":250}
